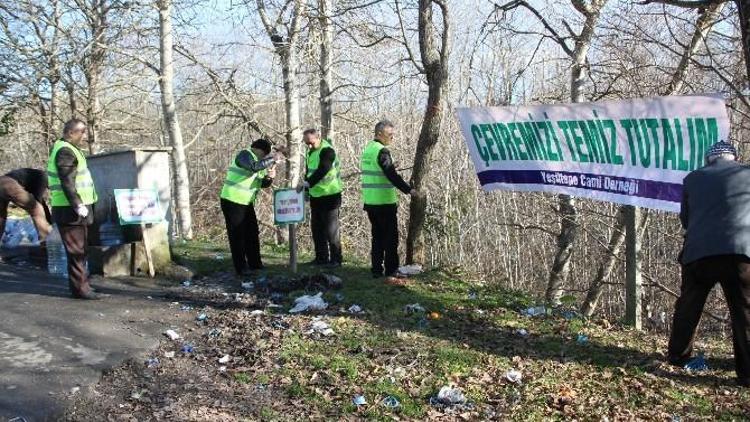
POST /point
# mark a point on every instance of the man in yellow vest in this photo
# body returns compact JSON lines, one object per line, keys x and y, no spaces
{"x":72,"y":196}
{"x":252,"y":169}
{"x":379,"y":183}
{"x":323,"y":181}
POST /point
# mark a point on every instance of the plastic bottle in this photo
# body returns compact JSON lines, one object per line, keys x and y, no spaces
{"x":57,"y":260}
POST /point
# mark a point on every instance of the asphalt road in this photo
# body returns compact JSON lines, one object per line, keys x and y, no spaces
{"x":53,"y":347}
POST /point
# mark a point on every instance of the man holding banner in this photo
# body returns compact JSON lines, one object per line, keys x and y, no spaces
{"x":252,"y":169}
{"x":715,"y":213}
{"x":323,"y":182}
{"x":379,"y":183}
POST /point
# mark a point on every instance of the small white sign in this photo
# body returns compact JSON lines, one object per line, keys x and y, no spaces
{"x":138,"y":206}
{"x":288,"y":206}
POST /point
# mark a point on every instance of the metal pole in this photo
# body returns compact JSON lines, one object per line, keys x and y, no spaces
{"x":293,"y":247}
{"x":633,"y":281}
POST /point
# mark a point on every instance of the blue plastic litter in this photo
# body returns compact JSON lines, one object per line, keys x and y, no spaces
{"x":697,"y":364}
{"x":582,"y":339}
{"x":187,"y":348}
{"x":535,"y":311}
{"x":391,"y":402}
{"x":202,"y":317}
{"x":423,"y":323}
{"x":359,"y":400}
{"x":568,"y":314}
{"x":152,"y":362}
{"x":472,"y":295}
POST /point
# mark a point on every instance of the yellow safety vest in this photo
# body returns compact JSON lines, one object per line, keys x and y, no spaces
{"x":376,"y":188}
{"x":84,"y":182}
{"x":241,"y":186}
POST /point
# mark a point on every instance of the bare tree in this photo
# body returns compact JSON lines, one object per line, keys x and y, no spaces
{"x":171,"y":122}
{"x":434,"y":52}
{"x":578,"y":53}
{"x":706,"y":21}
{"x":286,"y":46}
{"x":325,"y":9}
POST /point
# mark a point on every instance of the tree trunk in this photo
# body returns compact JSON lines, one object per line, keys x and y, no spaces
{"x":171,"y":123}
{"x":435,"y":62}
{"x":326,"y":68}
{"x":568,"y":213}
{"x":292,"y":104}
{"x":743,"y":7}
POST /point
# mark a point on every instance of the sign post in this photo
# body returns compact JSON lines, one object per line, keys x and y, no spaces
{"x":289,"y":209}
{"x":141,"y":207}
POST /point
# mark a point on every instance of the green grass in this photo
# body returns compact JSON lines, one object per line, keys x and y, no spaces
{"x":386,"y":352}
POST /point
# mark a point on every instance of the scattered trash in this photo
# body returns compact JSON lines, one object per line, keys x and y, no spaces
{"x":172,"y":334}
{"x":186,"y":308}
{"x":257,"y":312}
{"x":339,"y":297}
{"x":215,"y":332}
{"x":355,"y":309}
{"x":18,"y":419}
{"x":222,"y":369}
{"x":676,"y":418}
{"x":187,"y":348}
{"x":521,"y":332}
{"x":434,"y":315}
{"x":422,"y":323}
{"x":224,"y":359}
{"x":218,"y":257}
{"x":414,"y":308}
{"x":582,"y":338}
{"x":202,"y":317}
{"x":309,"y":303}
{"x":480,"y":311}
{"x":152,"y":362}
{"x":472,"y":295}
{"x":697,"y":364}
{"x":169,"y":355}
{"x":186,"y":283}
{"x":359,"y":400}
{"x":391,"y":402}
{"x":513,"y":376}
{"x":451,"y":396}
{"x":320,"y":326}
{"x":75,"y":389}
{"x":334,"y":282}
{"x":534,"y":311}
{"x":412,"y":269}
{"x":248,"y":285}
{"x":19,"y":231}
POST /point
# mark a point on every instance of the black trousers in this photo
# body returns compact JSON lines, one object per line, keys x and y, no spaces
{"x":76,"y":238}
{"x":698,"y":278}
{"x":243,"y":232}
{"x":384,"y":249}
{"x":324,"y":223}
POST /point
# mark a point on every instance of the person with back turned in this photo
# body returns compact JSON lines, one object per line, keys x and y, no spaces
{"x":715,"y":213}
{"x":72,"y":196}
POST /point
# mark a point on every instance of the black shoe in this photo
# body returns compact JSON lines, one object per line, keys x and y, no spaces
{"x":258,"y":268}
{"x":333,"y":264}
{"x":377,"y":275}
{"x":678,"y":361}
{"x":88,"y":296}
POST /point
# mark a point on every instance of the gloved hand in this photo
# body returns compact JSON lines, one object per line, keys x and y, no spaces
{"x":301,"y":186}
{"x":82,"y":211}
